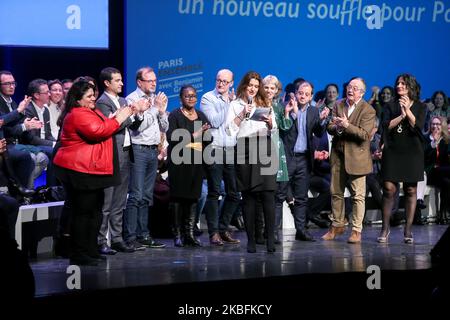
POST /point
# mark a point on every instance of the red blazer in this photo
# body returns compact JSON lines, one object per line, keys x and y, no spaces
{"x":86,"y":142}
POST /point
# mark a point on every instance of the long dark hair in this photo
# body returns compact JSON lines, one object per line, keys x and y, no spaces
{"x":261,"y":97}
{"x":412,"y":85}
{"x":75,"y":94}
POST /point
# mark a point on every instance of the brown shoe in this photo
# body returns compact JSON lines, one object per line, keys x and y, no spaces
{"x":355,"y":237}
{"x":333,"y":232}
{"x":215,"y":240}
{"x":226,"y":237}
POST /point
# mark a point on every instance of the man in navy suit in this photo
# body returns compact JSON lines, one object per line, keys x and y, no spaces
{"x":300,"y":153}
{"x":15,"y":125}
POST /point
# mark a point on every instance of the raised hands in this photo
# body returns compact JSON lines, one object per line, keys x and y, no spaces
{"x":23,"y":104}
{"x":292,"y":105}
{"x":320,"y":103}
{"x":141,"y":105}
{"x":232,"y":94}
{"x":161,"y":102}
{"x":200,"y":131}
{"x":123,"y":114}
{"x":324,"y":114}
{"x":341,"y":122}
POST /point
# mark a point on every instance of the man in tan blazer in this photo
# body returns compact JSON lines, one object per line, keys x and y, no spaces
{"x":351,"y":125}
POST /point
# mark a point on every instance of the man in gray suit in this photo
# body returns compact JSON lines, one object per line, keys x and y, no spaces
{"x":116,"y":196}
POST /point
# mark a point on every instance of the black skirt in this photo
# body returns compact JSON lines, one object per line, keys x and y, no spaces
{"x":256,"y":168}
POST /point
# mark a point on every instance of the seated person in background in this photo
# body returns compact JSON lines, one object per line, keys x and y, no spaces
{"x":320,"y":181}
{"x":9,"y":207}
{"x":437,"y":164}
{"x":42,"y":137}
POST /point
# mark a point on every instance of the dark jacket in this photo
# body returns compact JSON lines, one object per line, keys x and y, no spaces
{"x":313,"y":126}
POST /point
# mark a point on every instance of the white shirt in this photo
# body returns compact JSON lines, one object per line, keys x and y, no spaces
{"x":351,"y":108}
{"x":247,"y":128}
{"x":55,"y":112}
{"x":115,"y":99}
{"x":40,"y":113}
{"x":149,"y":132}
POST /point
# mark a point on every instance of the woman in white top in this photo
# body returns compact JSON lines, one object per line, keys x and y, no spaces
{"x":251,"y":120}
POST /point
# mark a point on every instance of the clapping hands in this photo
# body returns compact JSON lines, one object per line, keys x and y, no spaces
{"x":321,"y":155}
{"x":161,"y":102}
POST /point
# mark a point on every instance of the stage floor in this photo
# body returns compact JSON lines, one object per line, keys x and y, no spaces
{"x":172,"y":265}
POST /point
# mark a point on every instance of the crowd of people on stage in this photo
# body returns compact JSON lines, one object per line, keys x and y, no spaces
{"x":257,"y":148}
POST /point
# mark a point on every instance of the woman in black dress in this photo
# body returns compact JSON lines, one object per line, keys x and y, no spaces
{"x":186,"y":127}
{"x":403,"y":151}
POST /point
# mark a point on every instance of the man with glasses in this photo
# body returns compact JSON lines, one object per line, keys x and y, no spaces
{"x":214,"y":104}
{"x":351,"y":125}
{"x":144,"y":141}
{"x":13,"y":126}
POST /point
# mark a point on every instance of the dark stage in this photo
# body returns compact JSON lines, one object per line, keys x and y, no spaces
{"x":298,"y":275}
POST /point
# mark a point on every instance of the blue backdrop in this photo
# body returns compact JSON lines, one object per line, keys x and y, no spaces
{"x":187,"y":41}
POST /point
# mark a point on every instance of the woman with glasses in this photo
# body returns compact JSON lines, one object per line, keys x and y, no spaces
{"x":403,"y":153}
{"x":185,"y":165}
{"x":437,"y":164}
{"x":251,"y":119}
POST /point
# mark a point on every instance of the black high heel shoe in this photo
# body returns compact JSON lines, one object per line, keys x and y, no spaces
{"x":251,"y":247}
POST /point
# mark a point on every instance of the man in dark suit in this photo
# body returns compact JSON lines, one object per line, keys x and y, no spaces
{"x":300,"y":152}
{"x":41,"y":137}
{"x":14,"y":126}
{"x":115,"y":197}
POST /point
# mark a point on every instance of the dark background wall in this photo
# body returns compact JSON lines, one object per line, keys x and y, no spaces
{"x":28,"y":63}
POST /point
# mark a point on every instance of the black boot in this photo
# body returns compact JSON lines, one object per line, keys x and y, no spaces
{"x":259,"y":228}
{"x":418,"y":217}
{"x":62,"y":246}
{"x":176,"y":214}
{"x":189,"y":238}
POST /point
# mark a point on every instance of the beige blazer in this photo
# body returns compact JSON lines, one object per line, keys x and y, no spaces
{"x":354,"y":141}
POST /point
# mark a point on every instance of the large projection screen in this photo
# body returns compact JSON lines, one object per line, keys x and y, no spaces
{"x":187,"y":41}
{"x":50,"y":23}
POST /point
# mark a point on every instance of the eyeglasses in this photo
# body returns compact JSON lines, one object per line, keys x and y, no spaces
{"x":148,"y":81}
{"x":190,"y":97}
{"x":224,"y":82}
{"x":12,"y":83}
{"x":46,"y":92}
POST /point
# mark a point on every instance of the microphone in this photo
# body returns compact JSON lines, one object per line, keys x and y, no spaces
{"x":250,"y":101}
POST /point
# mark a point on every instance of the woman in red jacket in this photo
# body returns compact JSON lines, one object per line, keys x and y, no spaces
{"x":86,"y":163}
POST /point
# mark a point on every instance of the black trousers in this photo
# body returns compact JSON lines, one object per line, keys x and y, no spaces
{"x":249,"y":208}
{"x":9,"y":208}
{"x":85,"y":220}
